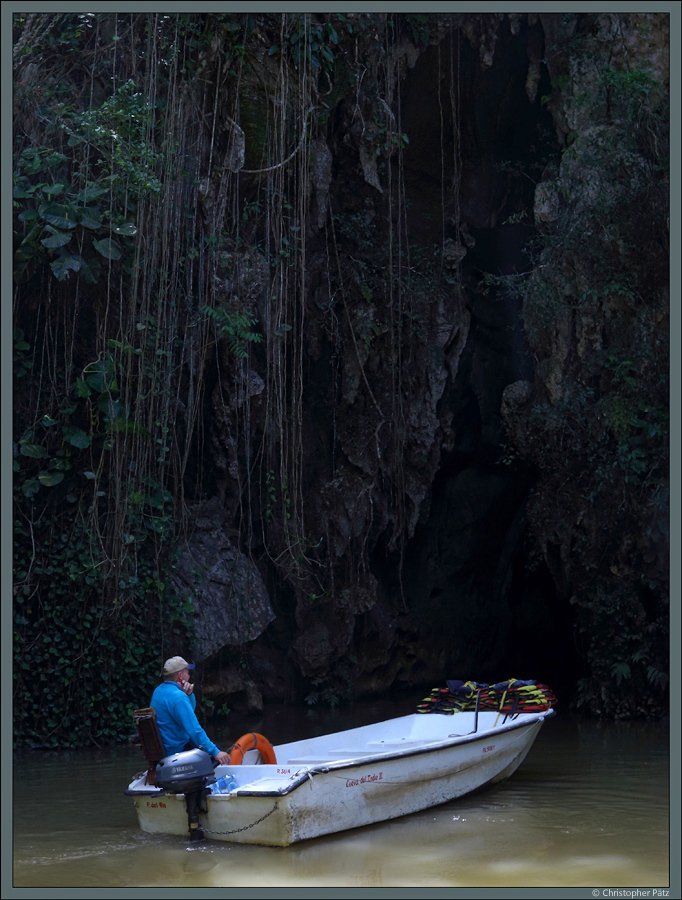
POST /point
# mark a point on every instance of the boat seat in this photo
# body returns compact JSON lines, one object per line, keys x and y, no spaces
{"x":150,"y":740}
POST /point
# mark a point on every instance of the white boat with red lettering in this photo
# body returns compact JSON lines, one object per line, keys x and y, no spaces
{"x":278,"y":795}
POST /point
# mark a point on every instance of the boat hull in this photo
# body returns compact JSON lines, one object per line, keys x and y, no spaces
{"x":307,"y":796}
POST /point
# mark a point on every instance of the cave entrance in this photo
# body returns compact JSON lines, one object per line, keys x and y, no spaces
{"x":480,"y":139}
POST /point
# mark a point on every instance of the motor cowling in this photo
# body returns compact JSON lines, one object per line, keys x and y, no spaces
{"x":181,"y":773}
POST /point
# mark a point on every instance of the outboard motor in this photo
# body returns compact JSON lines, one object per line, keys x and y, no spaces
{"x":189,"y":773}
{"x":189,"y":770}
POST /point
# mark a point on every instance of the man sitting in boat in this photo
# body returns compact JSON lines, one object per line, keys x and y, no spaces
{"x":174,"y":703}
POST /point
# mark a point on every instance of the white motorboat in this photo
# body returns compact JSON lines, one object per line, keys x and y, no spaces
{"x":333,"y":782}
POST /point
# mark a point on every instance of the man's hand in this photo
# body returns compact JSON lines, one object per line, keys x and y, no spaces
{"x":187,"y":687}
{"x":222,"y":758}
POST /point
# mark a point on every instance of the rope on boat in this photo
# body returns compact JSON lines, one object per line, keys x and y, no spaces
{"x":500,"y":709}
{"x":244,"y":827}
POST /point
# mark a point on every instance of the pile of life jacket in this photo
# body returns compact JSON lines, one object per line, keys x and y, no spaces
{"x":511,"y":697}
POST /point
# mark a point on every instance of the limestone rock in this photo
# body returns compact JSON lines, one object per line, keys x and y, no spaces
{"x":230,"y":600}
{"x":547,"y":204}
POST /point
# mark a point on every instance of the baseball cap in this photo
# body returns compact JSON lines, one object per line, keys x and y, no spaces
{"x":175,"y":664}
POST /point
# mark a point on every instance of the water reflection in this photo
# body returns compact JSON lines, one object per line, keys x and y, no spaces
{"x":589,"y":806}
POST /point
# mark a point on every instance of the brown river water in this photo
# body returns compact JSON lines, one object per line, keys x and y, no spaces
{"x":589,"y":807}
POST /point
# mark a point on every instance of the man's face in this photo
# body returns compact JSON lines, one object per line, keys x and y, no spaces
{"x":183,"y":676}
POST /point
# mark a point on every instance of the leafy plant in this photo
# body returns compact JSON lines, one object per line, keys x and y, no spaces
{"x":118,"y":132}
{"x":81,"y":668}
{"x":311,"y":41}
{"x":418,"y":26}
{"x":235,"y":326}
{"x":330,"y":690}
{"x":60,"y":221}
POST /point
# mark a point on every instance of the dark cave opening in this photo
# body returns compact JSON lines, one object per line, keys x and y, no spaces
{"x":466,"y":569}
{"x":541,"y":643}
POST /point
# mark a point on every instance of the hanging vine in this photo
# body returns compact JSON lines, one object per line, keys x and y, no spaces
{"x":171,"y":218}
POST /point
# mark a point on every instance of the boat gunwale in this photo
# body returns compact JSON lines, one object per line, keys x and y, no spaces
{"x":307,"y":771}
{"x":355,"y":762}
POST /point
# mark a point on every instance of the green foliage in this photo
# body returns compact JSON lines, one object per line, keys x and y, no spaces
{"x":81,"y":664}
{"x":235,"y":326}
{"x":21,"y":360}
{"x":386,"y":139}
{"x":418,"y":26}
{"x":637,"y":97}
{"x":626,"y":648}
{"x":83,"y":619}
{"x":270,"y":496}
{"x":331,"y":690}
{"x":91,"y":415}
{"x":628,"y":96}
{"x":595,"y":310}
{"x":511,"y":285}
{"x":118,"y":133}
{"x":216,"y":710}
{"x":60,"y":222}
{"x":309,"y":41}
{"x":77,"y":210}
{"x":109,"y":434}
{"x":417,"y":278}
{"x":102,"y":428}
{"x":637,"y":422}
{"x":66,"y":38}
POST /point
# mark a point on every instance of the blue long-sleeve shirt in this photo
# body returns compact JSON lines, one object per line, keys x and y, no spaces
{"x":177,"y":720}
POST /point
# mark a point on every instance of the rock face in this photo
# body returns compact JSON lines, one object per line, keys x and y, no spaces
{"x":403,"y":380}
{"x":595,"y":312}
{"x":229,"y":597}
{"x":380,"y":338}
{"x":402,"y":511}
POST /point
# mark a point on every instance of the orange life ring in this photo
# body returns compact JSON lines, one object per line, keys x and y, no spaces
{"x":252,"y":741}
